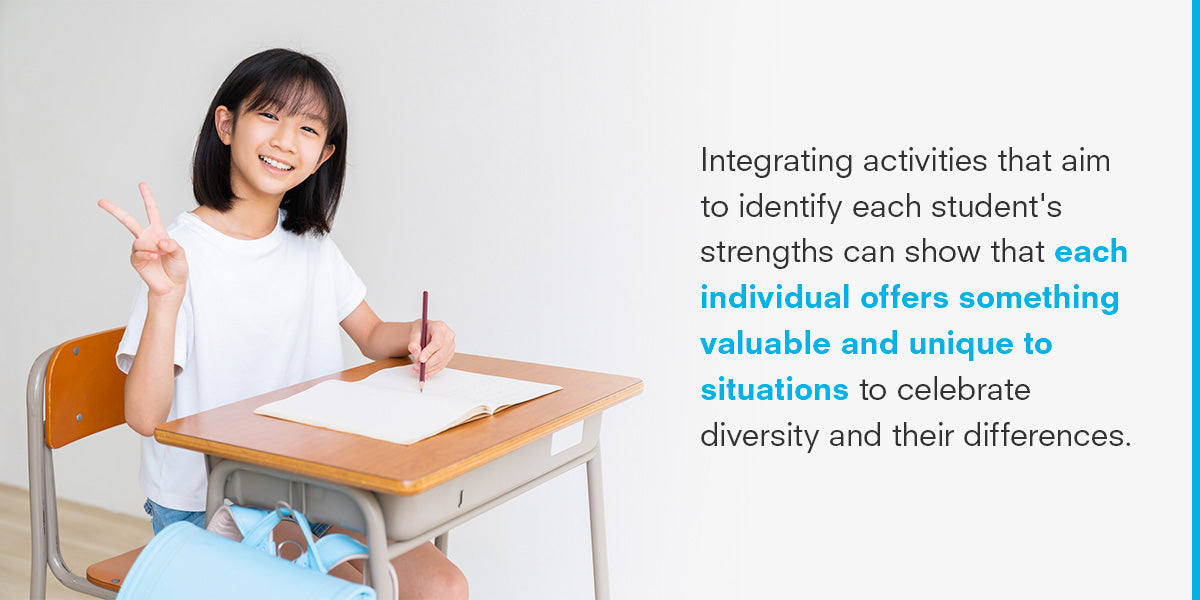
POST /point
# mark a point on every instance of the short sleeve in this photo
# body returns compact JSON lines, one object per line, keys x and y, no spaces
{"x":349,"y":290}
{"x":128,"y":347}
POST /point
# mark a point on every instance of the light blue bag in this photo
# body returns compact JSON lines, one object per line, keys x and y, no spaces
{"x":184,"y":562}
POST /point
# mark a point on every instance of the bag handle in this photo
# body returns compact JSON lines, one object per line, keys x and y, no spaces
{"x":311,"y":558}
{"x":329,"y":550}
{"x":257,"y":526}
{"x":259,"y":532}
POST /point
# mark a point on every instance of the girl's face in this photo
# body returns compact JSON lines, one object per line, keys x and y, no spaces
{"x":271,"y":152}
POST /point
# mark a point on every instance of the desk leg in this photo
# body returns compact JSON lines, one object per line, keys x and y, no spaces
{"x":596,"y":508}
{"x":377,"y":546}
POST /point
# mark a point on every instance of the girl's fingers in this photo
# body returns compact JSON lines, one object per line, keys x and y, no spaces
{"x":437,"y":362}
{"x":151,"y":205}
{"x":438,"y":357}
{"x":430,"y":349}
{"x":441,"y":344}
{"x":433,"y":365}
{"x":125,"y":218}
{"x":434,"y":359}
{"x":437,"y":353}
{"x":414,"y":341}
{"x":146,"y":244}
{"x":440,"y":338}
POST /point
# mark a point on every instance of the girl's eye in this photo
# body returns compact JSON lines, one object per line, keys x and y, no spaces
{"x":268,"y":115}
{"x":309,"y":129}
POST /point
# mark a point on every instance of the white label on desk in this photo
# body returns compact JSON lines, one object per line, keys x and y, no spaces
{"x":565,"y":438}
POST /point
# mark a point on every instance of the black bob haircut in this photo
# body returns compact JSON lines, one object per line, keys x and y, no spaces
{"x":283,"y":81}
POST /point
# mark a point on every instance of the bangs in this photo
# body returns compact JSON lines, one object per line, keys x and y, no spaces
{"x":290,"y":83}
{"x":295,"y":97}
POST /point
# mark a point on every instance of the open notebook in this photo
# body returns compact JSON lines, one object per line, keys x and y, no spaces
{"x":388,"y":406}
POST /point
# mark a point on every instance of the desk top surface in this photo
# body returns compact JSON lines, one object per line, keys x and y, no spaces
{"x":235,"y":432}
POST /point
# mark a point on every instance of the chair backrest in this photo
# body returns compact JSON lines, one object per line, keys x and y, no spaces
{"x":85,"y":391}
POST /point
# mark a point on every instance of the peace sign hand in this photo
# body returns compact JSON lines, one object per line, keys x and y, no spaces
{"x":157,"y":258}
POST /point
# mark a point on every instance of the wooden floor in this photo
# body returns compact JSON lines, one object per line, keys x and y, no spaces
{"x":87,"y":535}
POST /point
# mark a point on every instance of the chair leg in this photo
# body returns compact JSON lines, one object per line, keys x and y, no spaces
{"x":36,"y":438}
{"x":54,"y":557}
{"x":37,"y":531}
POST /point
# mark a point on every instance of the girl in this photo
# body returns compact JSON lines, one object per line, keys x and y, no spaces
{"x":255,"y":303}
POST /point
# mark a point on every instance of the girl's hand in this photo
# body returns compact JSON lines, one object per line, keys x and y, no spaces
{"x":437,"y":352}
{"x":157,"y":258}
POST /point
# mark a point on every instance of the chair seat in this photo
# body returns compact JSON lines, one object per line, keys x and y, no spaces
{"x":109,"y":573}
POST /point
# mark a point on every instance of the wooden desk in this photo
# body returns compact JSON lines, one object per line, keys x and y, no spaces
{"x":408,"y":494}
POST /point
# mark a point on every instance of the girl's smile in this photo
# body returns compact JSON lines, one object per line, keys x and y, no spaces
{"x":276,"y":165}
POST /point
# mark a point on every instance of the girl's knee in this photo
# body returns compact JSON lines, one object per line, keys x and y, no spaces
{"x":446,"y":583}
{"x":456,"y":586}
{"x":426,"y":573}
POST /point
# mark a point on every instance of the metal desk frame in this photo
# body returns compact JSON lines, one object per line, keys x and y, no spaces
{"x":381,"y":551}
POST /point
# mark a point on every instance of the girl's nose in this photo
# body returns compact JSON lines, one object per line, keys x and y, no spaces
{"x":284,"y":138}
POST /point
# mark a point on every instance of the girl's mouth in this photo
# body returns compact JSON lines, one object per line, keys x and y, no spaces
{"x":270,"y":162}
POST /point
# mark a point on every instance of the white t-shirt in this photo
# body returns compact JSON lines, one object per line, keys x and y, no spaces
{"x":258,"y":315}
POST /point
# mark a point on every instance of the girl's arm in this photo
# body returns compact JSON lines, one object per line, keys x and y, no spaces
{"x":150,"y":385}
{"x":161,"y":263}
{"x":378,"y":339}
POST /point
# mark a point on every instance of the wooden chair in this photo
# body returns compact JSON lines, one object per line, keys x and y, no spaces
{"x":74,"y":390}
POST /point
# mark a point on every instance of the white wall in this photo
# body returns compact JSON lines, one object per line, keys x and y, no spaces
{"x":534,"y":164}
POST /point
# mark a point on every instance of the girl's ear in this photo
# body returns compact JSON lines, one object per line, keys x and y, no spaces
{"x":223,"y":121}
{"x":325,"y":154}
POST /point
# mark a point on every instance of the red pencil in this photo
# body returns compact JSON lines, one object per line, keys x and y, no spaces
{"x":424,"y":340}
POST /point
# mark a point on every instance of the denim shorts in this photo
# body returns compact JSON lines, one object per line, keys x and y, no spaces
{"x":161,"y":517}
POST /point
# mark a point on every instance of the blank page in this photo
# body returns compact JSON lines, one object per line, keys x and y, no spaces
{"x":389,"y":406}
